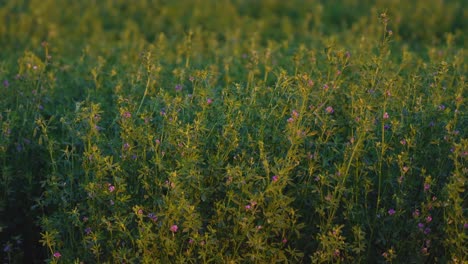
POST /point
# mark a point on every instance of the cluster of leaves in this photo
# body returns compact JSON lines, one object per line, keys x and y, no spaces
{"x":233,"y":132}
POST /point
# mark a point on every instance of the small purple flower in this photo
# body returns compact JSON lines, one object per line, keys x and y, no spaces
{"x":427,"y":186}
{"x":420,"y":225}
{"x":441,"y":107}
{"x":111,"y":188}
{"x":248,"y":207}
{"x":6,"y":83}
{"x":174,"y":228}
{"x":57,"y":254}
{"x":85,"y":219}
{"x":329,"y":110}
{"x":386,"y":115}
{"x":427,"y":230}
{"x":178,"y":87}
{"x":347,"y":54}
{"x":209,"y":101}
{"x":386,"y":127}
{"x":403,"y":142}
{"x":325,"y":87}
{"x":153,"y":217}
{"x":428,"y":219}
{"x":88,"y":230}
{"x":274,"y":178}
{"x":7,"y":248}
{"x":126,"y":146}
{"x":191,"y":241}
{"x":391,"y":211}
{"x":465,"y":225}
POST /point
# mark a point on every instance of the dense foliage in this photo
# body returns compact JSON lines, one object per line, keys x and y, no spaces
{"x":233,"y":131}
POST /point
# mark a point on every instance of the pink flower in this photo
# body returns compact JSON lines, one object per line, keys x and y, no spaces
{"x":427,"y":186}
{"x":284,"y":241}
{"x":127,"y":114}
{"x":174,"y":228}
{"x":391,"y":211}
{"x":57,"y":254}
{"x":428,"y":219}
{"x":209,"y":101}
{"x":247,"y":207}
{"x":386,"y":115}
{"x":111,"y":188}
{"x":274,"y":178}
{"x":329,"y":110}
{"x":295,"y":113}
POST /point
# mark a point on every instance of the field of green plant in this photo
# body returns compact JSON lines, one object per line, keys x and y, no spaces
{"x":233,"y":131}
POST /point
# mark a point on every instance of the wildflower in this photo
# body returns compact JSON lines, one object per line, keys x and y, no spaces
{"x":174,"y":228}
{"x":259,"y":227}
{"x":88,"y":230}
{"x":347,"y":54}
{"x":284,"y":241}
{"x":428,"y":219}
{"x":127,"y":114}
{"x":391,"y":211}
{"x":85,"y":219}
{"x":441,"y":107}
{"x":329,"y":110}
{"x":290,"y":120}
{"x":140,"y":212}
{"x":7,"y":248}
{"x":295,"y":114}
{"x":387,"y":127}
{"x":405,"y":169}
{"x":158,"y":141}
{"x":427,"y":230}
{"x":178,"y":87}
{"x":274,"y":178}
{"x":152,"y":217}
{"x":465,"y":225}
{"x":420,"y":225}
{"x":403,"y":142}
{"x":310,"y":83}
{"x":209,"y":101}
{"x":427,"y":186}
{"x":247,"y":207}
{"x":424,"y":250}
{"x":57,"y":254}
{"x":126,"y":146}
{"x":111,"y":188}
{"x":190,"y":241}
{"x":6,"y":83}
{"x":325,"y":87}
{"x":386,"y":115}
{"x":191,"y":78}
{"x":416,"y":213}
{"x":338,"y":72}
